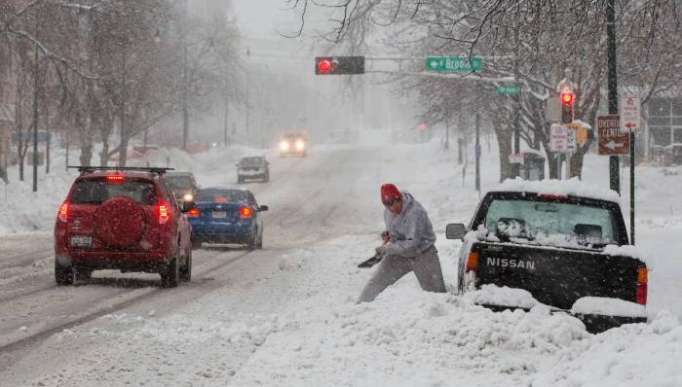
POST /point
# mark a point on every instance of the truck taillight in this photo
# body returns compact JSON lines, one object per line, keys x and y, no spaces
{"x":63,"y":214}
{"x":472,"y":262}
{"x":642,"y":282}
{"x":164,"y":211}
{"x":245,"y":213}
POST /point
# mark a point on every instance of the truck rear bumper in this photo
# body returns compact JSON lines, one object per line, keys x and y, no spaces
{"x":594,"y":323}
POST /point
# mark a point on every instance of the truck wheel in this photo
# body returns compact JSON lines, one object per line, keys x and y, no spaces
{"x":259,"y":244}
{"x":170,"y":274}
{"x":82,"y":274}
{"x":186,"y":271}
{"x":63,"y":274}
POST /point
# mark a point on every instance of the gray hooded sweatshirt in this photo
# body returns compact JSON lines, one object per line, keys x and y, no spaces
{"x":411,"y":231}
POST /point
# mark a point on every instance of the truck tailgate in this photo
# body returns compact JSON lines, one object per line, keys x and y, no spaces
{"x":557,"y":276}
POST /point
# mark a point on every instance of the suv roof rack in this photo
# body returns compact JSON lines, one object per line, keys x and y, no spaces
{"x":83,"y":169}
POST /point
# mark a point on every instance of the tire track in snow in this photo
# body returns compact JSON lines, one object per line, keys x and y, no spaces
{"x":129,"y":299}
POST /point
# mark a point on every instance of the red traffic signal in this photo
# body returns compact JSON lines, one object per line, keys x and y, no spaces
{"x":324,"y":66}
{"x":567,"y":98}
{"x":330,"y":65}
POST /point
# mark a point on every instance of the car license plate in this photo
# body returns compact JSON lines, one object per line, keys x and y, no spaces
{"x":81,"y":241}
{"x":220,"y":214}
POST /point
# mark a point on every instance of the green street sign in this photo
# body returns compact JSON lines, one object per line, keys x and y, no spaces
{"x":509,"y":90}
{"x":453,"y":64}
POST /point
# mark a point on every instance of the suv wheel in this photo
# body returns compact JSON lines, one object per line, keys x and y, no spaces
{"x":82,"y":274}
{"x":170,"y":274}
{"x":196,"y":245}
{"x":63,"y":274}
{"x":186,"y":271}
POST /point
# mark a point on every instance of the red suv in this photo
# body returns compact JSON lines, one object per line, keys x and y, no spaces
{"x":122,"y":218}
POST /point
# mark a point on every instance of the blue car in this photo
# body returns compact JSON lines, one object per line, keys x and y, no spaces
{"x":226,"y":216}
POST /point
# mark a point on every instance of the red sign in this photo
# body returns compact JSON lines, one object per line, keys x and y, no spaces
{"x":612,"y":140}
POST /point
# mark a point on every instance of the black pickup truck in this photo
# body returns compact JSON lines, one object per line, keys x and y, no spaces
{"x":561,"y":248}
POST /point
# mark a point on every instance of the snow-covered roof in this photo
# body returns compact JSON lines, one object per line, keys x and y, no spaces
{"x":570,"y":187}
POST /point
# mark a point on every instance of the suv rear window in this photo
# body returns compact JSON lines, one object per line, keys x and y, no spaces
{"x":97,"y":191}
{"x":179,"y":182}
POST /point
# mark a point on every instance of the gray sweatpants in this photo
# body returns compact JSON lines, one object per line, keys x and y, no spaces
{"x":392,"y":268}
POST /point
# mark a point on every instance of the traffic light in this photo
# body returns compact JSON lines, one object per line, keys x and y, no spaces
{"x":567,"y":101}
{"x":329,"y":65}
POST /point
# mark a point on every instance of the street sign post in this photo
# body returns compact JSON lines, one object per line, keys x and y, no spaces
{"x":630,"y":112}
{"x":612,"y":140}
{"x":558,"y":143}
{"x":453,"y":64}
{"x":558,"y":139}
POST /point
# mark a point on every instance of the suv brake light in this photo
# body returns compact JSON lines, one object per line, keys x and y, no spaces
{"x":164,"y":211}
{"x":245,"y":213}
{"x":642,"y":281}
{"x":63,"y":214}
{"x":115,"y":179}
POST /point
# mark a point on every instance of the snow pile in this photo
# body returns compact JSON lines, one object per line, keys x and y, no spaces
{"x":633,"y":355}
{"x":608,"y":307}
{"x":409,"y":338}
{"x":502,"y":296}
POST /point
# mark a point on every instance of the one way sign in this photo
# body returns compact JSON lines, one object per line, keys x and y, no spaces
{"x":612,"y":140}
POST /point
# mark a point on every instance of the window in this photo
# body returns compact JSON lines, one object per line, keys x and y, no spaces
{"x":677,"y":106}
{"x":97,"y":191}
{"x":536,"y":219}
{"x":179,"y":182}
{"x":660,"y":136}
{"x":677,"y":133}
{"x":659,"y":107}
{"x":222,"y":196}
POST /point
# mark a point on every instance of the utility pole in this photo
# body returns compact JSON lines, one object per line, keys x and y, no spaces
{"x":447,"y":132}
{"x":35,"y":116}
{"x":478,"y":152}
{"x":185,"y":80}
{"x":248,"y":103}
{"x":516,"y":168}
{"x":614,"y":167}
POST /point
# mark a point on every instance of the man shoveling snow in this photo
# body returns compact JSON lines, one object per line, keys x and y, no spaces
{"x":408,"y":246}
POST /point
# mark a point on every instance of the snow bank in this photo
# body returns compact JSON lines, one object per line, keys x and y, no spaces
{"x":502,"y":296}
{"x":608,"y":307}
{"x":633,"y":355}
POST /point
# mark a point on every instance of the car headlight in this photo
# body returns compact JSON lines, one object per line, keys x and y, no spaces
{"x":284,"y":146}
{"x":300,"y":145}
{"x":188,"y":197}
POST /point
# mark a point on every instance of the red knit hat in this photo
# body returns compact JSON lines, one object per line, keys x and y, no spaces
{"x":389,"y":193}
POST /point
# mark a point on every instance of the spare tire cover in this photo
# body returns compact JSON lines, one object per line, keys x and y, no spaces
{"x":120,"y":222}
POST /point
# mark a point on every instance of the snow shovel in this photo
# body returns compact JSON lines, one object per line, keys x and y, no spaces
{"x":370,"y":262}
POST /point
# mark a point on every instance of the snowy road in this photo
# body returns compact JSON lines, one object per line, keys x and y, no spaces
{"x":311,"y":200}
{"x":285,"y":315}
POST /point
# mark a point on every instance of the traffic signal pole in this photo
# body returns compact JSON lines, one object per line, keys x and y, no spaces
{"x":614,"y":167}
